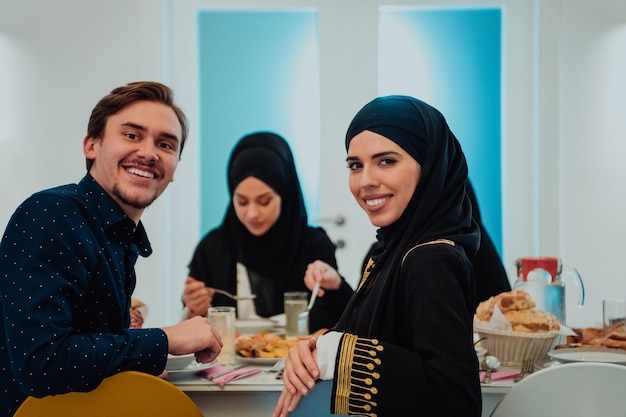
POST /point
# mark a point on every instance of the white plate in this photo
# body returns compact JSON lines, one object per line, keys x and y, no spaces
{"x":257,"y":361}
{"x":280,"y":319}
{"x":175,"y":362}
{"x":184,"y":364}
{"x":253,"y":326}
{"x":589,"y":355}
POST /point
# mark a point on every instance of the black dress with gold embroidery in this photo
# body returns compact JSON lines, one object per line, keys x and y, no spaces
{"x":407,"y":348}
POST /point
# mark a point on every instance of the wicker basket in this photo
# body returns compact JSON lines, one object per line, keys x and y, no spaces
{"x":511,"y":348}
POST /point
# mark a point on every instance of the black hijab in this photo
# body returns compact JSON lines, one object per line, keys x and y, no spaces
{"x":491,"y":277}
{"x":268,"y":157}
{"x":439,"y":207}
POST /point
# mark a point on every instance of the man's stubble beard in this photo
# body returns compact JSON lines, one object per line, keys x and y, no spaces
{"x":134,"y":203}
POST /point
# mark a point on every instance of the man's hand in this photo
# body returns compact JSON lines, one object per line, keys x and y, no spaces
{"x":195,"y":335}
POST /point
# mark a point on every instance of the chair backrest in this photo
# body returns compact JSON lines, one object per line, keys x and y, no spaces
{"x":573,"y":390}
{"x":317,"y":402}
{"x":127,"y":394}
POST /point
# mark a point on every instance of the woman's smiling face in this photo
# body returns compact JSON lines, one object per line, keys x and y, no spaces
{"x":383,"y":177}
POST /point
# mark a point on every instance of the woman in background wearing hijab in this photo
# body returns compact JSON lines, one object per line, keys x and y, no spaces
{"x":264,"y":245}
{"x":403,"y":345}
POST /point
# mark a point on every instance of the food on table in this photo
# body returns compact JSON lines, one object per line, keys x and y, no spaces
{"x":531,"y":321}
{"x":594,"y":337}
{"x":267,"y":345}
{"x":264,"y":345}
{"x":510,"y":300}
{"x":517,"y":306}
{"x":135,"y":303}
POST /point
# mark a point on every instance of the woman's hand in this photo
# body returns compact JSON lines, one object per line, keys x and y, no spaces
{"x":197,"y":297}
{"x":327,"y":276}
{"x":300,"y":373}
{"x":287,"y":402}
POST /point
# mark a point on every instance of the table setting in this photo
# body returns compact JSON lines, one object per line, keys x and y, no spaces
{"x":253,"y":346}
{"x":524,"y":331}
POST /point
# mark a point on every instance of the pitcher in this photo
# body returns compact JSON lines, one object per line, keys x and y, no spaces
{"x":541,"y":278}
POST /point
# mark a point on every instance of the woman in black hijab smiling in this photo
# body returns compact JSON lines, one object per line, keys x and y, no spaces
{"x":264,"y":245}
{"x":404,"y":343}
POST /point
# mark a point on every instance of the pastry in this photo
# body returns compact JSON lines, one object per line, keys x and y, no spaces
{"x":506,"y":301}
{"x":531,"y":321}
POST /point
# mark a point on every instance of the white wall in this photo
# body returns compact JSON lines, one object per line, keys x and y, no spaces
{"x":591,"y":122}
{"x":57,"y":59}
{"x":563,"y":121}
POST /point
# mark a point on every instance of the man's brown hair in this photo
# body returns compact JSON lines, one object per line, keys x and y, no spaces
{"x":123,"y":96}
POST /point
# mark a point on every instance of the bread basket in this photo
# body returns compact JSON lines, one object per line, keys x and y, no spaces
{"x":511,"y":348}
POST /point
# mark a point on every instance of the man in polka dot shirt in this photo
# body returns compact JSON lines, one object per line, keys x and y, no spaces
{"x":68,"y":253}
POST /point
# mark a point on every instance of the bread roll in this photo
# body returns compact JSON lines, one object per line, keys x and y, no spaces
{"x":135,"y":303}
{"x":506,"y":301}
{"x":518,"y":308}
{"x":531,"y":321}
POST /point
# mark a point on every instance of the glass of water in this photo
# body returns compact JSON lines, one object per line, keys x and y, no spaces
{"x":295,"y":303}
{"x":223,"y":320}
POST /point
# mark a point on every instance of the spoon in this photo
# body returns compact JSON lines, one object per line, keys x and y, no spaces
{"x":235,"y":297}
{"x":489,"y":364}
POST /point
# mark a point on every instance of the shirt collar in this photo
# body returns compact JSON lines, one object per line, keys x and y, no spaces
{"x":111,"y":214}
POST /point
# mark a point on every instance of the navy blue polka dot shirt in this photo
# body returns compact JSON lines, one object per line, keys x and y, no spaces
{"x":66,"y":277}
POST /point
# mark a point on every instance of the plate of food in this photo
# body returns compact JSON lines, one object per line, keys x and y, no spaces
{"x":262,"y":348}
{"x":567,"y":355}
{"x":184,"y":364}
{"x":252,"y":326}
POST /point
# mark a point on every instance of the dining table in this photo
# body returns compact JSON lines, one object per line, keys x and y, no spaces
{"x":256,"y":395}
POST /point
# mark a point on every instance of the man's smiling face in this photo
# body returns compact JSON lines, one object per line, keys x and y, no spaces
{"x":136,"y":158}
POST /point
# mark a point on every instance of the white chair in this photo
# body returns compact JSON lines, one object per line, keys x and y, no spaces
{"x":574,"y":390}
{"x":127,"y":394}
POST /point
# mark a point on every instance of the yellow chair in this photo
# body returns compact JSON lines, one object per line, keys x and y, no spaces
{"x":127,"y":394}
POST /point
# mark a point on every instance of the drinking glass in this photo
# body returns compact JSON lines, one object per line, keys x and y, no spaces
{"x":295,"y":303}
{"x":222,"y":318}
{"x":613,"y":315}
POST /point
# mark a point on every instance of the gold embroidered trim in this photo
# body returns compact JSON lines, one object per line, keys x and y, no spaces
{"x":370,"y":262}
{"x":357,"y":376}
{"x":366,"y":273}
{"x":432,"y":242}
